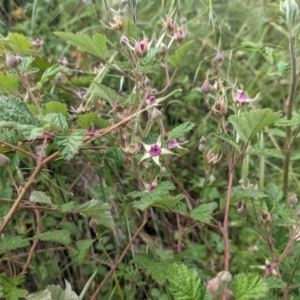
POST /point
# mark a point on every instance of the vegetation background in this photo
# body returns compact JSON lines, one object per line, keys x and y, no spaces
{"x":61,"y":246}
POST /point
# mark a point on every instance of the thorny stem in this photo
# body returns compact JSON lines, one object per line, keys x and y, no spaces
{"x":289,"y":110}
{"x":113,"y":268}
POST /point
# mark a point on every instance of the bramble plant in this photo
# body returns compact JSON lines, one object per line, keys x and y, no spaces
{"x":122,"y":179}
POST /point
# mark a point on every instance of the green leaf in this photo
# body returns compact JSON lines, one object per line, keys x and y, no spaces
{"x":274,"y":195}
{"x":103,"y":91}
{"x":41,"y":295}
{"x":10,"y":289}
{"x":203,"y":212}
{"x":115,"y":154}
{"x":82,"y":248}
{"x":67,"y":206}
{"x":248,"y":124}
{"x":58,"y":293}
{"x":229,"y":140}
{"x":185,"y":283}
{"x":13,"y":242}
{"x":165,"y":202}
{"x":239,"y":193}
{"x":25,"y":65}
{"x":40,"y":197}
{"x":264,"y":152}
{"x":69,"y":143}
{"x":58,"y":236}
{"x":55,"y":107}
{"x":14,"y":110}
{"x":20,"y":44}
{"x":252,"y":46}
{"x":9,"y":83}
{"x":295,"y":121}
{"x":149,"y":198}
{"x":95,"y":45}
{"x":101,"y":123}
{"x":85,"y":121}
{"x":157,"y":269}
{"x":50,"y":72}
{"x":30,"y":132}
{"x":180,"y":130}
{"x":180,"y":53}
{"x":280,"y":29}
{"x":248,"y":286}
{"x":275,"y":283}
{"x":97,"y":210}
{"x":53,"y":122}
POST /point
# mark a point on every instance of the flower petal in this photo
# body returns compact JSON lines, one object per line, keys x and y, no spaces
{"x":146,"y":155}
{"x":156,"y":160}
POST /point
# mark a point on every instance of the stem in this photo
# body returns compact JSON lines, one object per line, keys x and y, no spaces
{"x":93,"y":297}
{"x":289,"y":110}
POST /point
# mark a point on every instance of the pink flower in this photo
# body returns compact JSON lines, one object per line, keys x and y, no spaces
{"x":241,"y":98}
{"x":154,"y":151}
{"x":174,"y":144}
{"x":37,"y":43}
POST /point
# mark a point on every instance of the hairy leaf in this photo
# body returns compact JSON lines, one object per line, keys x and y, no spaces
{"x":180,"y":130}
{"x":203,"y":212}
{"x":41,"y":295}
{"x":9,"y":83}
{"x":239,"y":193}
{"x":167,"y":202}
{"x":274,"y":194}
{"x":275,"y":283}
{"x":157,"y":269}
{"x":115,"y":154}
{"x":248,"y":286}
{"x":180,"y":53}
{"x":14,"y":110}
{"x":13,"y":242}
{"x":58,"y":236}
{"x":20,"y":44}
{"x":10,"y":289}
{"x":185,"y":283}
{"x":229,"y":140}
{"x":95,"y":45}
{"x":54,"y":121}
{"x":58,"y":293}
{"x":103,"y":91}
{"x":264,"y":152}
{"x":69,"y":143}
{"x":248,"y":124}
{"x":82,"y":248}
{"x":97,"y":210}
{"x":50,"y":72}
{"x":55,"y":107}
{"x":85,"y":121}
{"x":40,"y":197}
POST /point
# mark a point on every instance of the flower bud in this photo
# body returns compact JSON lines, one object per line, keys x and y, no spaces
{"x":179,"y":34}
{"x":170,"y":24}
{"x":141,"y":48}
{"x":11,"y":60}
{"x":289,"y":11}
{"x":124,"y":40}
{"x":220,"y":107}
{"x":265,"y":217}
{"x":202,"y":140}
{"x":93,"y":223}
{"x":219,"y":57}
{"x":242,"y":208}
{"x":292,"y":200}
{"x":206,"y":88}
{"x":156,"y":113}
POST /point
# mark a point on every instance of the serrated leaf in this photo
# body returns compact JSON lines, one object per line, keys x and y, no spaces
{"x":239,"y":193}
{"x":229,"y":140}
{"x":203,"y":212}
{"x":248,"y":124}
{"x":274,"y":195}
{"x":180,"y":130}
{"x":9,"y":83}
{"x":150,"y":139}
{"x":20,"y":44}
{"x":58,"y":236}
{"x":185,"y":283}
{"x":248,"y":286}
{"x":50,"y":72}
{"x":101,"y":123}
{"x":180,"y":53}
{"x":95,"y":45}
{"x":157,"y":269}
{"x":41,"y":295}
{"x":10,"y":289}
{"x":69,"y":143}
{"x":264,"y":152}
{"x":53,"y":122}
{"x":40,"y":197}
{"x":275,"y":283}
{"x":13,"y":242}
{"x":295,"y":121}
{"x":167,"y":202}
{"x":97,"y":210}
{"x":85,"y":121}
{"x":148,"y":198}
{"x":82,"y":248}
{"x":55,"y":107}
{"x":14,"y":110}
{"x":58,"y":293}
{"x":30,"y":132}
{"x":105,"y":92}
{"x":115,"y":154}
{"x":26,"y":62}
{"x":67,"y":206}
